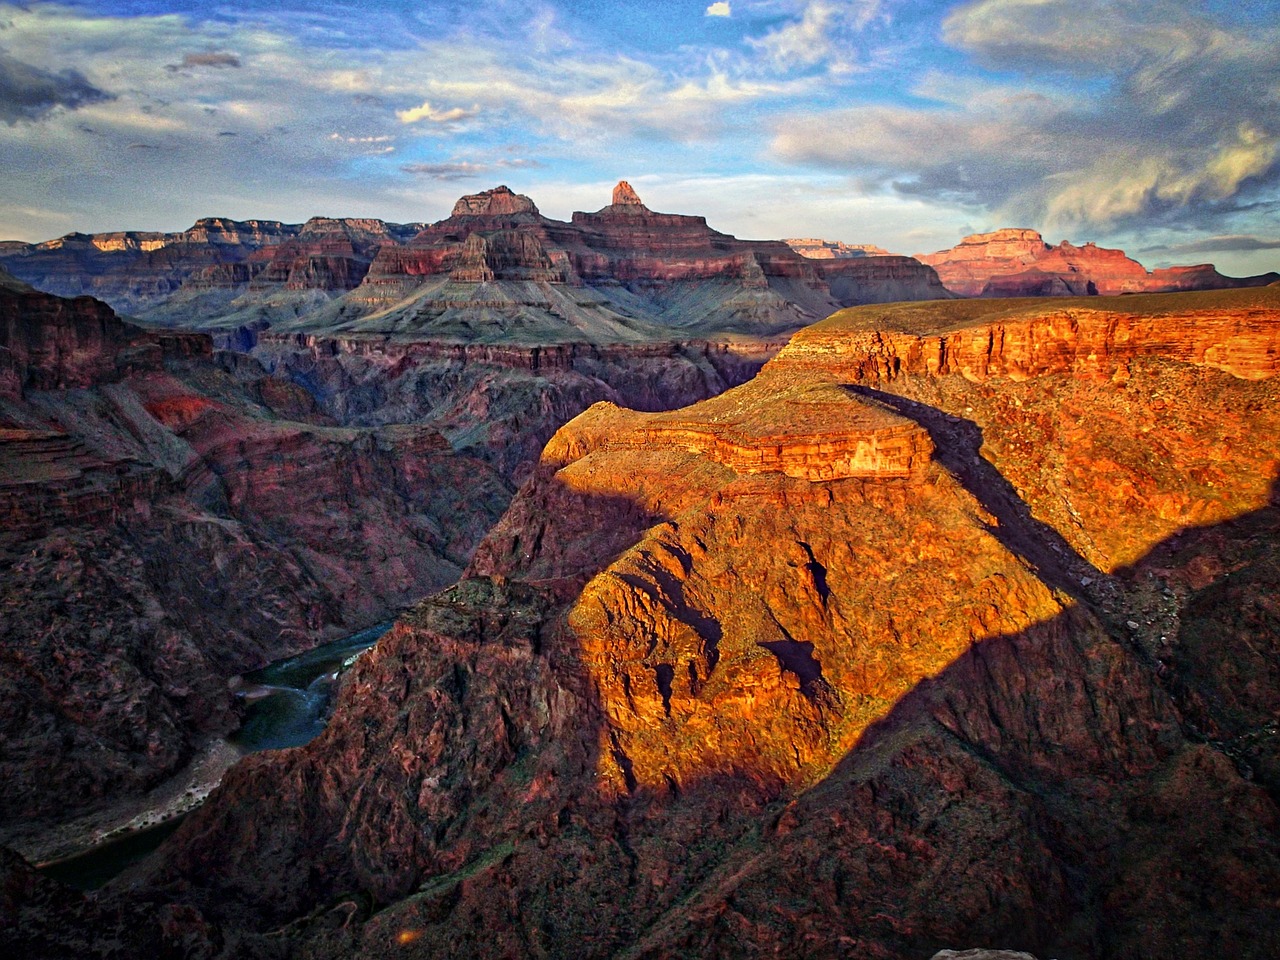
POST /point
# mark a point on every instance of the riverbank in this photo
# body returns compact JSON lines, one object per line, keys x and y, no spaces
{"x":287,"y":704}
{"x":171,"y":799}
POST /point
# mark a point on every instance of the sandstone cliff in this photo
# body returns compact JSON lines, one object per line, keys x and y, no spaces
{"x":931,"y":634}
{"x":1018,"y":263}
{"x":817,"y":249}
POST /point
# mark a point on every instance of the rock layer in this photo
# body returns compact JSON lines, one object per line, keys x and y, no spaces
{"x":173,"y":517}
{"x":688,"y":703}
{"x":1018,"y":263}
{"x":484,"y":273}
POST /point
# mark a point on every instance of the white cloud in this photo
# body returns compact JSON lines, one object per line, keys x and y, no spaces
{"x":466,"y":169}
{"x":803,"y":42}
{"x":430,"y":113}
{"x":1124,"y":185}
{"x":340,"y":137}
{"x":824,"y":32}
{"x":719,"y":9}
{"x":1181,"y":123}
{"x":770,"y":206}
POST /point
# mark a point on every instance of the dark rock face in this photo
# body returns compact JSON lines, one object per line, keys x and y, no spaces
{"x":500,"y":402}
{"x":696,"y":697}
{"x":172,"y":518}
{"x":50,"y":343}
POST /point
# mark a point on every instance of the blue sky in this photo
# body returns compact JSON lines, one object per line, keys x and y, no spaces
{"x":1148,"y":124}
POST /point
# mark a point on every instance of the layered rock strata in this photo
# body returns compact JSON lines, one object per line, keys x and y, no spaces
{"x":817,"y":249}
{"x":502,"y":402}
{"x":491,"y":270}
{"x":1153,"y":422}
{"x":1018,"y":263}
{"x":689,"y":701}
{"x":170,"y":518}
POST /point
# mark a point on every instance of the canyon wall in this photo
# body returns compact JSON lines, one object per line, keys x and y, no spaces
{"x":492,"y":270}
{"x":1018,"y":263}
{"x":502,"y":402}
{"x":930,"y":635}
{"x":173,"y":516}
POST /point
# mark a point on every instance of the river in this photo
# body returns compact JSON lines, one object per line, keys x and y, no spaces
{"x":287,"y":705}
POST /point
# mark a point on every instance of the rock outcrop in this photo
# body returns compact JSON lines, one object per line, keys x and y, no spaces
{"x":1018,"y":263}
{"x":696,"y":697}
{"x":498,"y":202}
{"x":1144,"y":469}
{"x":48,"y":343}
{"x":817,"y":249}
{"x":625,"y":195}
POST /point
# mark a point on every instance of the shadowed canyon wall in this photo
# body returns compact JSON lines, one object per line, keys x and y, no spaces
{"x":173,"y":516}
{"x":847,"y":661}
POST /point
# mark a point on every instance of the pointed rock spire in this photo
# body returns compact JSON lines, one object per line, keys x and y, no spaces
{"x":625,"y":195}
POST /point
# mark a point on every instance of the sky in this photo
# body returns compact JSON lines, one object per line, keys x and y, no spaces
{"x":1151,"y":125}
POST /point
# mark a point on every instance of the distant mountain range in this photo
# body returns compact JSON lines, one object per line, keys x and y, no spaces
{"x":495,"y":270}
{"x":498,"y":271}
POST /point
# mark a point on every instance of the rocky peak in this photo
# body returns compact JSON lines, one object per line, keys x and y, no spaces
{"x":129,"y":241}
{"x":625,"y":194}
{"x":73,"y":240}
{"x":500,"y":201}
{"x":223,"y":231}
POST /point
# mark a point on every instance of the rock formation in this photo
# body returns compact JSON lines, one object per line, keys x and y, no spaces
{"x":495,"y":269}
{"x":1018,"y":263}
{"x":500,"y":201}
{"x":930,"y":635}
{"x":816,"y":249}
{"x":171,"y":517}
{"x":498,"y":324}
{"x":625,"y":195}
{"x":500,"y":402}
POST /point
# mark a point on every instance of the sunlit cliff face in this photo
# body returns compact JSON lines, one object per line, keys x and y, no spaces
{"x":850,"y":648}
{"x":824,"y":541}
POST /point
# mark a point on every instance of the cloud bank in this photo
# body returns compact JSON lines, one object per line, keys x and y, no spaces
{"x":1097,"y":119}
{"x":1180,"y":118}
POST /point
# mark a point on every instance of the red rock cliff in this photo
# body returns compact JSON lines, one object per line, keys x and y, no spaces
{"x":691,"y":701}
{"x":1018,"y":263}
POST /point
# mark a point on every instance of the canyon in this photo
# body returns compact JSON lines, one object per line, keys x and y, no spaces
{"x":496,"y":324}
{"x":722,"y":629}
{"x":1018,"y":263}
{"x":172,"y":517}
{"x":955,"y":625}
